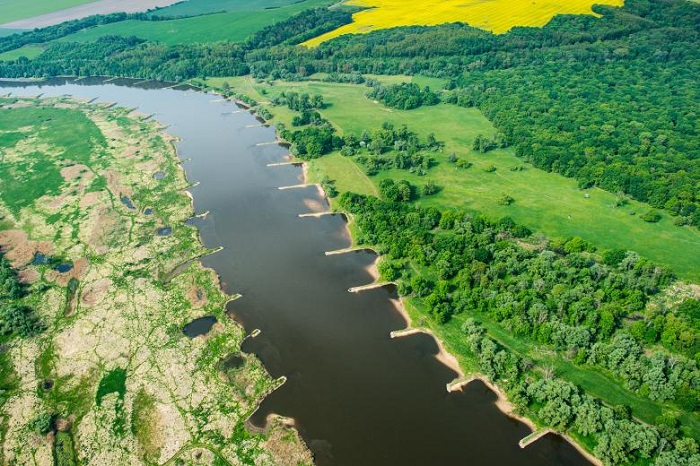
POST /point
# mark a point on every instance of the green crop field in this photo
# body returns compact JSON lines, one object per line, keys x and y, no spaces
{"x":201,"y":7}
{"x":545,"y":202}
{"x":29,"y":51}
{"x":13,"y":10}
{"x":232,"y":25}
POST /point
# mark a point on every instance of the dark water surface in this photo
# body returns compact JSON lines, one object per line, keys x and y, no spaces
{"x":357,"y":396}
{"x":200,"y":326}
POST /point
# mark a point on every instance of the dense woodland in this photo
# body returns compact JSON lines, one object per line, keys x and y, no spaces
{"x":16,"y":319}
{"x":591,"y":309}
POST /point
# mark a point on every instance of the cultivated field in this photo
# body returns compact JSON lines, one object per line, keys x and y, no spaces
{"x":13,"y":10}
{"x":29,"y":51}
{"x":545,"y":202}
{"x":231,"y":25}
{"x":497,"y":16}
{"x":54,"y":13}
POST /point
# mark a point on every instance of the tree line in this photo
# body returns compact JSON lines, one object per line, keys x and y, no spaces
{"x":16,"y":319}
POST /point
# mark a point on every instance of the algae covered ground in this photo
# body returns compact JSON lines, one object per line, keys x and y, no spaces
{"x":112,"y":379}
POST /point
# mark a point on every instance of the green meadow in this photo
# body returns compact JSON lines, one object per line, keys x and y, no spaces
{"x":71,"y":135}
{"x":233,"y":25}
{"x":13,"y":10}
{"x":545,"y":202}
{"x":28,"y":51}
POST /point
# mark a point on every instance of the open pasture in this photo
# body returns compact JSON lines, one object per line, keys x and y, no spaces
{"x":497,"y":16}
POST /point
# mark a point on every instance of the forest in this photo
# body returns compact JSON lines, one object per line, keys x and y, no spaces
{"x":590,"y":308}
{"x":16,"y":319}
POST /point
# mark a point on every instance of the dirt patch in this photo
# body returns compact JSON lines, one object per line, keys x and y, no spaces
{"x":89,"y":199}
{"x":196,"y":297}
{"x":73,"y":171}
{"x":105,"y":220}
{"x":114,"y":185}
{"x":19,"y":249}
{"x":95,"y":292}
{"x":28,"y":275}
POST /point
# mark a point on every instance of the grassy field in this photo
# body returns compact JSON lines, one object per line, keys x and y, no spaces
{"x":29,"y":51}
{"x":12,"y":10}
{"x":24,"y":181}
{"x":232,"y":25}
{"x":545,"y":202}
{"x":497,"y":16}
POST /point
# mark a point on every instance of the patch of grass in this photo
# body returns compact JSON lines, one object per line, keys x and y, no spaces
{"x":348,"y":175}
{"x":68,"y":133}
{"x":64,"y":454}
{"x":28,"y":51}
{"x":497,"y":16}
{"x":142,"y":425}
{"x":25,"y":181}
{"x":545,"y":202}
{"x":13,"y":10}
{"x":113,"y":382}
{"x":233,"y":25}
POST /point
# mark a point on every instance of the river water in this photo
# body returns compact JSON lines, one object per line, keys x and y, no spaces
{"x":357,"y":396}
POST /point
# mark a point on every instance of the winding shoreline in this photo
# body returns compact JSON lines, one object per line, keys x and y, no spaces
{"x":443,"y":355}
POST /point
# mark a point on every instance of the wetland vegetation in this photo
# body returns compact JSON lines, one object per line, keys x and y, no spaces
{"x":94,"y":354}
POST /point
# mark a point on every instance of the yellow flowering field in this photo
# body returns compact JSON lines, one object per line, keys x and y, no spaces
{"x":497,"y":16}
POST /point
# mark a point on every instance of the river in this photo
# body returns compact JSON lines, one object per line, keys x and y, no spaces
{"x":357,"y":396}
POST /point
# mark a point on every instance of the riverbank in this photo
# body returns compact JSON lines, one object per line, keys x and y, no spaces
{"x":448,"y":359}
{"x":443,"y":355}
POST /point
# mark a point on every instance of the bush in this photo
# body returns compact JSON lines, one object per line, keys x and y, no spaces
{"x":42,"y":424}
{"x":651,"y":216}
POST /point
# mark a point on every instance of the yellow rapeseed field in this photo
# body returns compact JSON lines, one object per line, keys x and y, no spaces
{"x":497,"y":16}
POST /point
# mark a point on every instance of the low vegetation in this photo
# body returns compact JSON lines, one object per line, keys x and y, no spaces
{"x":95,"y":367}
